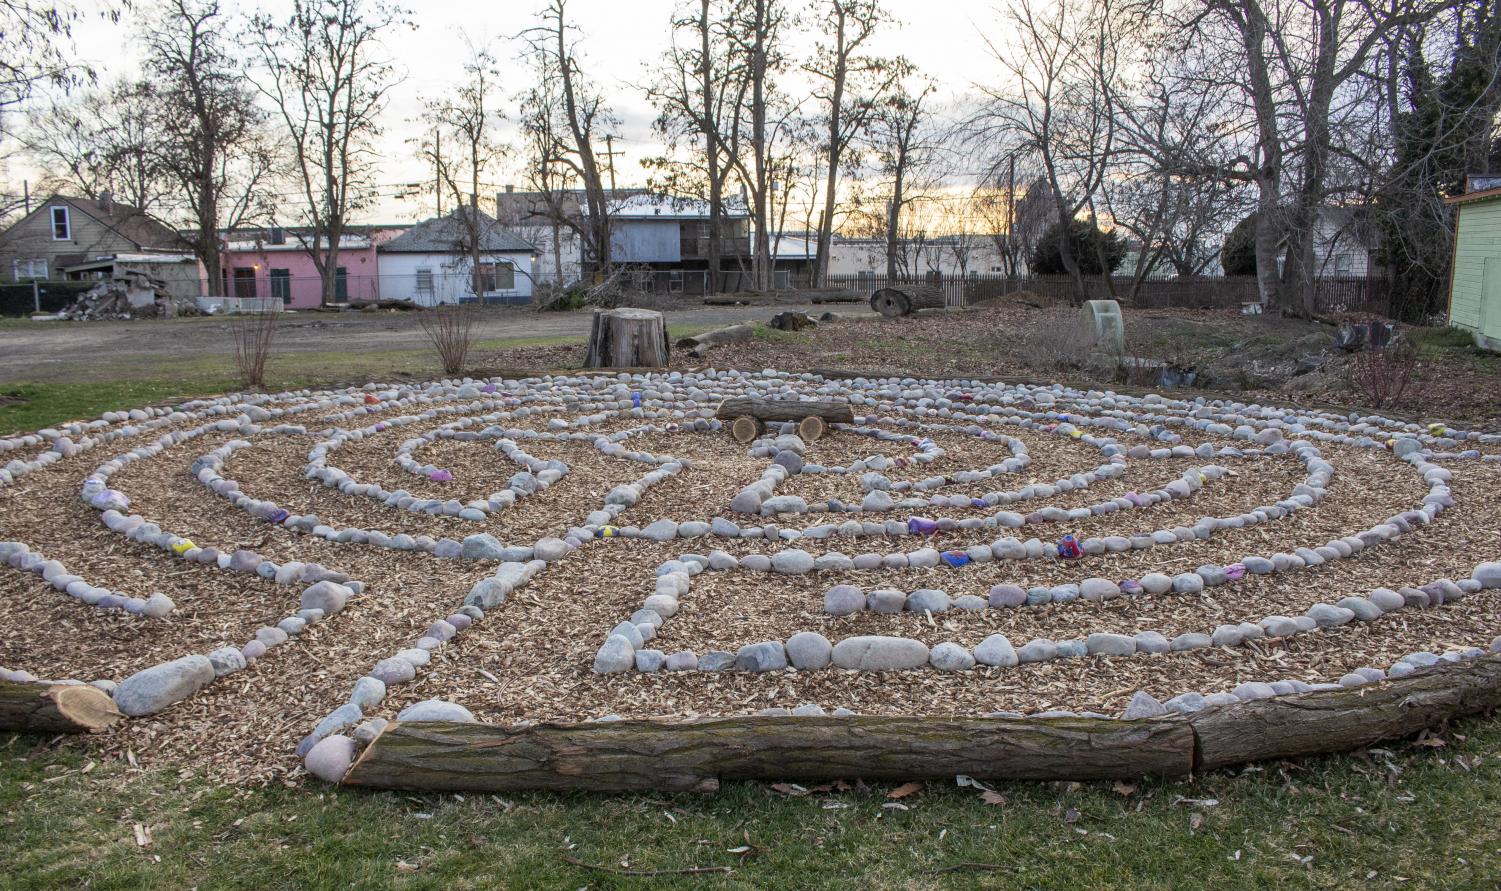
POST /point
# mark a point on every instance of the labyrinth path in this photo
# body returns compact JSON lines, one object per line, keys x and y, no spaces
{"x":265,"y":581}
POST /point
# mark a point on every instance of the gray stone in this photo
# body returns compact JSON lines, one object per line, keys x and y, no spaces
{"x":1007,"y":595}
{"x":996,"y":650}
{"x":550,"y":549}
{"x":792,"y":562}
{"x":876,"y":653}
{"x":1156,"y":583}
{"x":1488,"y":575}
{"x":1151,"y":642}
{"x":1364,"y":610}
{"x":1327,"y":616}
{"x":1098,"y":589}
{"x":329,"y":760}
{"x":483,"y":546}
{"x":1037,"y":650}
{"x":331,"y":597}
{"x":630,"y":632}
{"x":1227,"y":636}
{"x":684,"y":660}
{"x":649,"y":660}
{"x":436,"y":710}
{"x":886,"y":601}
{"x":969,"y":602}
{"x":949,"y":656}
{"x":1279,"y":626}
{"x":1253,"y":690}
{"x":393,"y":671}
{"x":809,"y":650}
{"x":1143,"y":705}
{"x":767,"y":655}
{"x":368,"y":693}
{"x":152,"y":689}
{"x":661,"y":530}
{"x":1192,"y":640}
{"x":716,"y":660}
{"x":1387,"y":599}
{"x":927,"y":599}
{"x":615,"y":655}
{"x":226,"y":660}
{"x":1105,"y":644}
{"x":1185,"y":703}
{"x":366,"y":733}
{"x":1072,"y":649}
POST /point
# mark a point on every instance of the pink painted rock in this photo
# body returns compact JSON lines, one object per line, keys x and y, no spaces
{"x":440,"y":476}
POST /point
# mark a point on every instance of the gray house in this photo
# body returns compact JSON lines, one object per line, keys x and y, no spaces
{"x":84,"y":239}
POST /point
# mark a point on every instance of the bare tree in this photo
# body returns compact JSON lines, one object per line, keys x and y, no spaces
{"x":465,"y":121}
{"x":769,"y":121}
{"x":905,"y":146}
{"x":563,"y":117}
{"x":699,"y":96}
{"x":328,"y":79}
{"x":98,"y":141}
{"x":1293,"y":61}
{"x":35,"y":40}
{"x":849,"y":84}
{"x":1057,"y":102}
{"x":211,"y":143}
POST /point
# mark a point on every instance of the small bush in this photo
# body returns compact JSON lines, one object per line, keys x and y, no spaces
{"x":1385,"y":378}
{"x":253,"y":334}
{"x":450,"y":329}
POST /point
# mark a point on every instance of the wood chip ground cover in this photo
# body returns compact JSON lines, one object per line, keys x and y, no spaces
{"x":530,"y":659}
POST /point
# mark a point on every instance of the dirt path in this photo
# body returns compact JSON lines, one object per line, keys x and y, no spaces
{"x":62,"y":351}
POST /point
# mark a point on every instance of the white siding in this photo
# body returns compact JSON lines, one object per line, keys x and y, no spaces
{"x":451,"y":277}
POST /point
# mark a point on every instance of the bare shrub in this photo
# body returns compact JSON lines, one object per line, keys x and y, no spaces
{"x":451,"y":329}
{"x":1061,"y":343}
{"x":253,"y":333}
{"x":1385,"y":378}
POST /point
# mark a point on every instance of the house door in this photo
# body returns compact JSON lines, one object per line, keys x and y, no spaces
{"x":1490,"y":299}
{"x":244,"y":281}
{"x":341,"y":284}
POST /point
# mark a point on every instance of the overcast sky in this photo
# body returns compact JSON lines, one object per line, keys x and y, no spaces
{"x":621,"y":41}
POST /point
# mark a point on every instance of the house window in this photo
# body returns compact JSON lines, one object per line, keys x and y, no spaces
{"x":497,"y":277}
{"x":278,"y":235}
{"x":25,"y":270}
{"x":341,"y":284}
{"x":62,"y":226}
{"x":281,"y":285}
{"x":675,"y":281}
{"x":244,"y":281}
{"x":781,"y":279}
{"x":1342,"y":264}
{"x":425,"y":280}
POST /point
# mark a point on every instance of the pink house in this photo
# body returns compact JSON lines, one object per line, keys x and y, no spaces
{"x":275,"y":262}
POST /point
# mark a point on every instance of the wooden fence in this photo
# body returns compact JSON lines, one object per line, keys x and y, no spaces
{"x":1331,"y":295}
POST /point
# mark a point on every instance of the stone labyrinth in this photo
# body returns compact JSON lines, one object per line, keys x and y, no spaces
{"x":262,"y":578}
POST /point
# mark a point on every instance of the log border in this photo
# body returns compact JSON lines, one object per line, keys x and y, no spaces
{"x":52,"y":707}
{"x":695,"y":755}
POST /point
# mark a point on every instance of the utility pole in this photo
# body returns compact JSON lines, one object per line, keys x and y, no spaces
{"x":610,"y":154}
{"x":26,"y":189}
{"x":438,"y":168}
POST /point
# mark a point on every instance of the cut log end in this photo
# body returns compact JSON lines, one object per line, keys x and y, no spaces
{"x":55,"y":708}
{"x":890,"y":303}
{"x":745,"y":429}
{"x":811,"y":428}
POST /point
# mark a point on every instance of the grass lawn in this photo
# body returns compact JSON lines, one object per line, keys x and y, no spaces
{"x":1416,"y":815}
{"x":33,"y":406}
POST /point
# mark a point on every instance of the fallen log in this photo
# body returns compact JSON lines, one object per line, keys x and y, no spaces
{"x":699,"y":344}
{"x":55,"y":708}
{"x":1339,"y":720}
{"x":695,"y":756}
{"x":831,"y":410}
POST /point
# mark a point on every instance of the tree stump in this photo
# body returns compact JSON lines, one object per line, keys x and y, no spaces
{"x":55,"y":708}
{"x":627,"y":338}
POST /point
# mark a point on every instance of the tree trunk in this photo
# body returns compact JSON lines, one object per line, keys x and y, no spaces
{"x":55,"y":708}
{"x":833,"y":411}
{"x":695,"y":756}
{"x":627,"y":338}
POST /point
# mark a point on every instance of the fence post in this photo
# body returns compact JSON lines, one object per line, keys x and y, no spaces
{"x":36,"y":297}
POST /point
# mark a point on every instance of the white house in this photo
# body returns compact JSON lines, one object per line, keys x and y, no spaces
{"x":431,"y":263}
